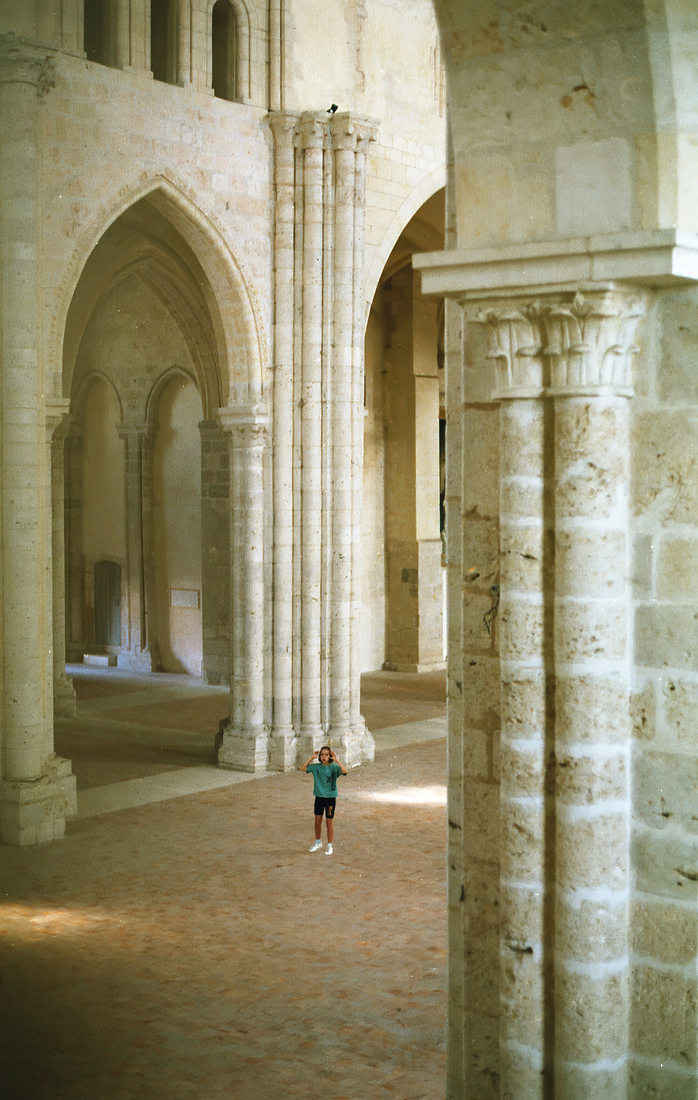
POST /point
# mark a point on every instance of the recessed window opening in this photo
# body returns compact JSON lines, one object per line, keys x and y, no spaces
{"x":99,"y":35}
{"x":163,"y":40}
{"x":224,"y":37}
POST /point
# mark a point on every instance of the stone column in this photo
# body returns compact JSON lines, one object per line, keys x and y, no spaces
{"x":311,"y":140}
{"x":184,"y":43}
{"x":75,"y":572}
{"x":590,"y":348}
{"x":215,"y":552}
{"x":134,"y":651}
{"x":58,"y":423}
{"x":515,"y":346}
{"x":344,"y":141}
{"x":283,"y":742}
{"x":37,"y":791}
{"x":149,"y":603}
{"x":246,"y":734}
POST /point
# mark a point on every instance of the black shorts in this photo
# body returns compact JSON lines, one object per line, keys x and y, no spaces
{"x":325,"y":806}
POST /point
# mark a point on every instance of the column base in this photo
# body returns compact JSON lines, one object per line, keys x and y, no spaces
{"x":392,"y":666}
{"x":35,"y":811}
{"x":283,"y":749}
{"x":245,"y":750}
{"x":138,"y":662}
{"x":64,"y":701}
{"x":354,"y":745}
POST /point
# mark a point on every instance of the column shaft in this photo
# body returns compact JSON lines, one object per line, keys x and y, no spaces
{"x":245,"y":735}
{"x":283,"y":741}
{"x":592,"y":746}
{"x":311,"y":731}
{"x":63,"y":690}
{"x":523,"y":748}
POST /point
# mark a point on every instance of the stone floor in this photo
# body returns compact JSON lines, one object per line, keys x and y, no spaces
{"x":182,"y":941}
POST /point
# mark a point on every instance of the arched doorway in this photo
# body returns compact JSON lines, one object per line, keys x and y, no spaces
{"x":146,"y":376}
{"x":403,"y":460}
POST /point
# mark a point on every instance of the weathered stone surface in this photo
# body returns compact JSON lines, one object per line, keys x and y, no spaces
{"x":666,"y":790}
{"x":663,"y":1021}
{"x":666,"y":636}
{"x":665,"y":931}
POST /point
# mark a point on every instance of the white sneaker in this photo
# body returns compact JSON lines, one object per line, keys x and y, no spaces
{"x":316,"y":845}
{"x":329,"y":850}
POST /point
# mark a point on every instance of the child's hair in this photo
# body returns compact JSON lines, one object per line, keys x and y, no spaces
{"x":323,"y":749}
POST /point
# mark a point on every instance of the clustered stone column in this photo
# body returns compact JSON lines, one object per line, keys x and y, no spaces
{"x":37,"y":791}
{"x":320,"y":175}
{"x":244,"y":742}
{"x":564,"y":380}
{"x":58,"y":422}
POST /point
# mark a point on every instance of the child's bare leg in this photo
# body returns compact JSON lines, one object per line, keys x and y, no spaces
{"x":330,"y":830}
{"x":318,"y":826}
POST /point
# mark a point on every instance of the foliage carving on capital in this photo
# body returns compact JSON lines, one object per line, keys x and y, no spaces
{"x":515,"y":343}
{"x":590,"y":341}
{"x":311,"y":132}
{"x":353,"y":132}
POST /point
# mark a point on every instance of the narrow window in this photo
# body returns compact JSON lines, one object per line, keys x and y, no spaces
{"x":98,"y":31}
{"x":224,"y":39}
{"x":163,"y":40}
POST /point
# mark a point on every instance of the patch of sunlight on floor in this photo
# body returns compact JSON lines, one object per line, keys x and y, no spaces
{"x":415,"y":796}
{"x":24,"y":919}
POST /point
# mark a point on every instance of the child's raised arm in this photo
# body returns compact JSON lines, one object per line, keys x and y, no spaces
{"x":336,"y":761}
{"x":309,"y":761}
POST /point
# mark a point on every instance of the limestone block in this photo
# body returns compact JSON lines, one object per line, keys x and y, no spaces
{"x":523,"y":703}
{"x":244,"y":750}
{"x":521,"y":918}
{"x":654,"y":1080}
{"x":663,"y":1019}
{"x":590,"y":708}
{"x":665,"y":465}
{"x":678,"y":705}
{"x":592,"y":931}
{"x":522,"y":852}
{"x":677,"y":326}
{"x":643,"y":711}
{"x":663,"y":930}
{"x":481,"y":896}
{"x":521,"y":431}
{"x":573,"y":1082}
{"x":666,"y":636}
{"x":480,"y":691}
{"x":480,"y":548}
{"x":481,"y":972}
{"x":595,"y":1027}
{"x":666,"y":864}
{"x":523,"y":561}
{"x":666,"y":790}
{"x":481,"y":816}
{"x":677,"y":569}
{"x":521,"y":496}
{"x":482,"y":1056}
{"x":522,"y":628}
{"x":588,"y":780}
{"x":586,"y":630}
{"x":522,"y":997}
{"x":480,"y":429}
{"x":524,"y":768}
{"x":476,"y":754}
{"x":475,"y":637}
{"x":641,"y":566}
{"x":520,"y":1071}
{"x":590,"y":563}
{"x":596,"y":851}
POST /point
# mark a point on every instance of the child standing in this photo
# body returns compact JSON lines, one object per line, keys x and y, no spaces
{"x":324,"y":775}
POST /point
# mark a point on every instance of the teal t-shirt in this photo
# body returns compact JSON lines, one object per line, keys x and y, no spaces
{"x":324,"y":779}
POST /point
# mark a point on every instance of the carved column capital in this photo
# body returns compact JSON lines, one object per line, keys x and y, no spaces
{"x":580,"y":343}
{"x":352,"y":132}
{"x":21,"y":62}
{"x":251,"y":424}
{"x":515,"y":342}
{"x":590,"y":342}
{"x":283,"y":125}
{"x":311,"y":131}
